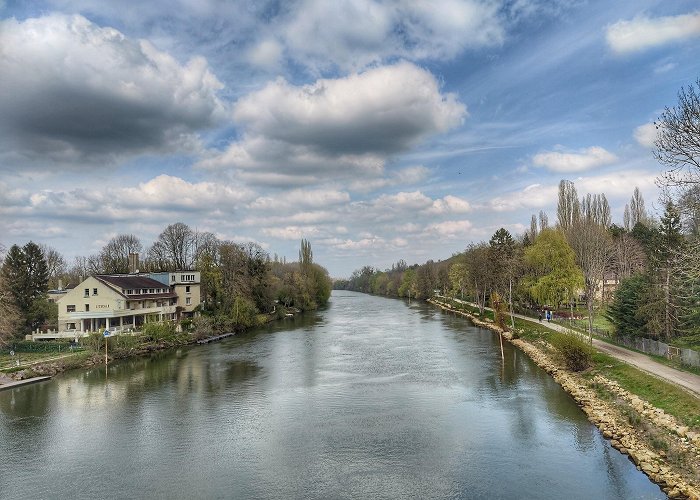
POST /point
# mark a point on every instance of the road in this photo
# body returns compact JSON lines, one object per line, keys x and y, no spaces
{"x":687,"y":380}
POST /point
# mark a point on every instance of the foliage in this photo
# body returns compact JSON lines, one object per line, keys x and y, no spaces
{"x":158,"y":332}
{"x":25,"y":278}
{"x":576,"y":353}
{"x":625,"y":310}
{"x":554,"y":275}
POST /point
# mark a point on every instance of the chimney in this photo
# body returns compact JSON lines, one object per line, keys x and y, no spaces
{"x":133,"y":263}
{"x":60,"y":284}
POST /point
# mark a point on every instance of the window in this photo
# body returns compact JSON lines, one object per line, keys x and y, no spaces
{"x":70,"y":308}
{"x":188,"y":277}
{"x":172,"y":278}
{"x":87,"y":292}
{"x":187,"y":289}
{"x":151,"y":290}
{"x":87,"y":307}
{"x":129,"y":292}
{"x":143,"y":290}
{"x":94,"y":291}
{"x":188,"y":301}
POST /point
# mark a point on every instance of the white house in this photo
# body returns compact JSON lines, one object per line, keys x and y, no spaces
{"x":118,"y":302}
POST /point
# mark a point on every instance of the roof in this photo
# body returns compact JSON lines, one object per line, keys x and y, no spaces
{"x":128,"y":282}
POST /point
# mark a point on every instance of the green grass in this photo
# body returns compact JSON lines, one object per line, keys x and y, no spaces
{"x":670,"y":398}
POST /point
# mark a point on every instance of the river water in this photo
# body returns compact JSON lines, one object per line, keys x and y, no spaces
{"x":371,"y":398}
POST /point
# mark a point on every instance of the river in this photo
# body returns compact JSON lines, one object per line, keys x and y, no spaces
{"x":370,"y":398}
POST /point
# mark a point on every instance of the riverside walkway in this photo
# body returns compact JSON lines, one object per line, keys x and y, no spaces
{"x":687,"y":380}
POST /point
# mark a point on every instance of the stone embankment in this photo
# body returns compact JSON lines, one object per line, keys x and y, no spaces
{"x":613,"y":417}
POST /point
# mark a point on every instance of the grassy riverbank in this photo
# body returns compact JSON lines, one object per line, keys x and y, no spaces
{"x":654,"y":422}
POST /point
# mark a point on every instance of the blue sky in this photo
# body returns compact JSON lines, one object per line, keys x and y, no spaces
{"x":378,"y":130}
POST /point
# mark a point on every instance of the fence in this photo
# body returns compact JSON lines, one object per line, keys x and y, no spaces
{"x":686,"y":356}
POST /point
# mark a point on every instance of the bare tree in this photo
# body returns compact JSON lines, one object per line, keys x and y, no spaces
{"x":114,"y":256}
{"x":627,"y":218}
{"x":591,"y":243}
{"x":174,"y":248}
{"x":678,"y":139}
{"x":638,"y":212}
{"x":568,"y":208}
{"x":55,"y":263}
{"x":544,"y":220}
{"x":533,"y":228}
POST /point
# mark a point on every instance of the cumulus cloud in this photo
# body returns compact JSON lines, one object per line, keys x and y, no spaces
{"x":643,"y":32}
{"x":585,"y":159}
{"x":450,"y":228}
{"x":338,"y":127}
{"x":300,"y":199}
{"x":73,"y":90}
{"x":163,"y":195}
{"x":450,"y":204}
{"x":266,"y":54}
{"x":533,"y":196}
{"x":646,"y":134}
{"x":354,"y":33}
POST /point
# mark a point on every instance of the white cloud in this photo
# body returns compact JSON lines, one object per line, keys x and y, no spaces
{"x":338,"y":127}
{"x":646,"y":134}
{"x":450,"y":204}
{"x":296,"y":199}
{"x":574,"y":162}
{"x":403,"y":201}
{"x":642,"y":32}
{"x":266,"y":54}
{"x":290,"y":232}
{"x":352,"y":34}
{"x":72,"y":89}
{"x":450,"y":228}
{"x":534,"y":196}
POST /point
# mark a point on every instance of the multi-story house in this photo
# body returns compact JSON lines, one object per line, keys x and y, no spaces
{"x":118,"y":302}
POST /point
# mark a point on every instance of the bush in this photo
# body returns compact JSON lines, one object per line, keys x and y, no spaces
{"x":158,"y":331}
{"x":576,"y":353}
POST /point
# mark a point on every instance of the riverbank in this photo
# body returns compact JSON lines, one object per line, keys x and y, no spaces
{"x":666,"y":450}
{"x":121,"y":347}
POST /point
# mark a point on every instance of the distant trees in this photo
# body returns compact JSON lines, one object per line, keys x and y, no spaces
{"x":174,"y":249}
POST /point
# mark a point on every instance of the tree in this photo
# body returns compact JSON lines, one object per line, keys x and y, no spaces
{"x":459,"y":277}
{"x":174,"y":248}
{"x":25,"y":275}
{"x":9,"y":314}
{"x":114,"y":256}
{"x":568,"y":208}
{"x":678,"y":138}
{"x":554,"y":275}
{"x":502,"y":249}
{"x":637,"y":211}
{"x":592,"y":246}
{"x":56,"y":265}
{"x":306,"y":256}
{"x":625,"y":311}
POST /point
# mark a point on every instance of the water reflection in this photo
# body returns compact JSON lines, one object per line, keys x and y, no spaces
{"x":373,"y":398}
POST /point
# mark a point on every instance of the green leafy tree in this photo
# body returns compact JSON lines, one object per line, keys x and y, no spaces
{"x":553,"y":274}
{"x":26,"y":275}
{"x":625,"y":311}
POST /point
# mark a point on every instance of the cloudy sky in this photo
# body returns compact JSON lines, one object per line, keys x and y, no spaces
{"x":377,"y":129}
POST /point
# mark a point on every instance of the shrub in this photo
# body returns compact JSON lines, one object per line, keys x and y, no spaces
{"x":576,"y":353}
{"x":158,"y":331}
{"x":203,"y":327}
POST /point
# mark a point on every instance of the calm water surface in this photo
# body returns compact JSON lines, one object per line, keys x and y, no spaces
{"x":371,"y":398}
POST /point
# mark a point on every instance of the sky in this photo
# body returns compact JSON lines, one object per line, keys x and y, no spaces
{"x":377,"y":130}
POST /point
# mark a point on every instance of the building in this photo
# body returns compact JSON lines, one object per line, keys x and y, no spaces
{"x":127,"y":301}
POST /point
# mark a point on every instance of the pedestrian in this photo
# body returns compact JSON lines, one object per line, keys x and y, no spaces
{"x":549,"y":316}
{"x":540,"y":316}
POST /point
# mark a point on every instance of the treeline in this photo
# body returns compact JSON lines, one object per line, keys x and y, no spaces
{"x":652,"y":265}
{"x":239,"y":282}
{"x":642,"y":274}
